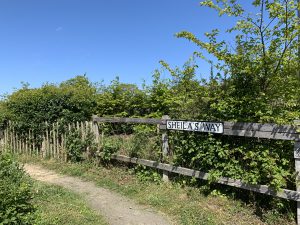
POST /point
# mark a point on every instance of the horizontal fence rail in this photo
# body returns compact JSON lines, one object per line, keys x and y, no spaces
{"x":128,"y":120}
{"x":53,"y":145}
{"x":257,"y":130}
{"x":263,"y":189}
{"x":269,"y":131}
{"x":253,"y":130}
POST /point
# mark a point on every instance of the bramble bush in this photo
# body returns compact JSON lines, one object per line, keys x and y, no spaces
{"x":249,"y":159}
{"x":15,"y":193}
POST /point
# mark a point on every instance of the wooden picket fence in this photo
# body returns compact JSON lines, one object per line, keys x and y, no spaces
{"x":53,"y":145}
{"x":50,"y":144}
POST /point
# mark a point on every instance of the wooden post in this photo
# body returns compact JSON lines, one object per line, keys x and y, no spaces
{"x":26,"y":144}
{"x":63,"y":148}
{"x":57,"y":142}
{"x":54,"y":141}
{"x":82,"y":131}
{"x":22,"y":144}
{"x":46,"y":140}
{"x":17,"y":144}
{"x":43,"y":153}
{"x":11,"y":139}
{"x":4,"y":147}
{"x":165,"y":149}
{"x":14,"y":141}
{"x":95,"y":130}
{"x":297,"y":168}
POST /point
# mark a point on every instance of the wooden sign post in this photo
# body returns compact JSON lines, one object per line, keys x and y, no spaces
{"x":165,"y":149}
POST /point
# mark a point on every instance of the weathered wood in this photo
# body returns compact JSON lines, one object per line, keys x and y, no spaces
{"x":5,"y":140}
{"x":47,"y":141}
{"x":11,"y":140}
{"x":268,"y":127}
{"x":274,"y":128}
{"x":96,"y":132}
{"x":128,"y":120}
{"x":23,"y":145}
{"x":30,"y":142}
{"x":1,"y":134}
{"x":82,"y":130}
{"x":260,"y":134}
{"x":54,"y":141}
{"x":43,"y":153}
{"x":64,"y":154}
{"x":14,"y":141}
{"x":269,"y":131}
{"x":17,"y":143}
{"x":257,"y":130}
{"x":165,"y":149}
{"x":263,"y":189}
{"x":297,"y":150}
{"x":57,"y":141}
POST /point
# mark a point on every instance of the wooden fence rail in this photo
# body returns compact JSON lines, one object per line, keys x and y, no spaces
{"x":257,"y":130}
{"x":53,"y":145}
{"x":254,"y":130}
{"x":263,"y":189}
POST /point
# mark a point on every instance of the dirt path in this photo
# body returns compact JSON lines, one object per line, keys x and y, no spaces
{"x":117,"y":209}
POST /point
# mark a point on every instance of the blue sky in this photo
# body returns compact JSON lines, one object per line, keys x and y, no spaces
{"x":54,"y":40}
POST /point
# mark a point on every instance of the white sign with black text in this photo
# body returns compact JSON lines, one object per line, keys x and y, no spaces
{"x":202,"y":126}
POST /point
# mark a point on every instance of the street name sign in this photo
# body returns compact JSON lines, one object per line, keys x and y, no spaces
{"x":202,"y":126}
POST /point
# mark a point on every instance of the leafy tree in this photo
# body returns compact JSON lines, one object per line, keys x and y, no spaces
{"x":120,"y":99}
{"x":257,"y":78}
{"x":184,"y":91}
{"x":159,"y":96}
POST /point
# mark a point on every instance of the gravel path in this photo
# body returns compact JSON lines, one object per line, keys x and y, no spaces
{"x":117,"y":209}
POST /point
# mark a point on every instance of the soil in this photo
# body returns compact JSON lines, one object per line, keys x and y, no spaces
{"x":117,"y":209}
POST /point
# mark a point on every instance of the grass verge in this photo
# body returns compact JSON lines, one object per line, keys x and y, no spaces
{"x":56,"y":205}
{"x":186,"y":205}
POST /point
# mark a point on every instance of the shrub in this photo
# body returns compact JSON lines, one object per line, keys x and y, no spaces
{"x":15,"y":193}
{"x":80,"y":146}
{"x":109,"y":147}
{"x":75,"y":146}
{"x":145,"y":143}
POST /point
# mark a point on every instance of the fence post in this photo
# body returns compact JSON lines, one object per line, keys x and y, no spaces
{"x":297,"y":168}
{"x":1,"y":140}
{"x":165,"y":148}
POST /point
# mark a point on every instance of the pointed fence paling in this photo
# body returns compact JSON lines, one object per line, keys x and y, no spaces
{"x":49,"y":144}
